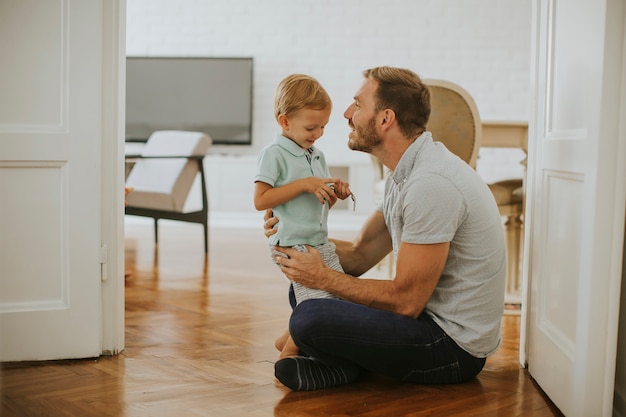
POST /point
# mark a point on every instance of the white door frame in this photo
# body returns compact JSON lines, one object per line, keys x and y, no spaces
{"x":112,"y":205}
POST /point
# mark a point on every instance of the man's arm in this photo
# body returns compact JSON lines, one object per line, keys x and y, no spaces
{"x":359,"y":256}
{"x":418,"y":270}
{"x":371,"y":245}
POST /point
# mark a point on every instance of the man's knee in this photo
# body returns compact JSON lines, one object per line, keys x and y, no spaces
{"x":309,"y":319}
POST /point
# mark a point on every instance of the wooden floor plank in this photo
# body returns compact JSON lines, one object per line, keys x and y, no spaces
{"x":199,"y":342}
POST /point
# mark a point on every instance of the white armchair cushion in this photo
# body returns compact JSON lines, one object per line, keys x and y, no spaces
{"x":177,"y":143}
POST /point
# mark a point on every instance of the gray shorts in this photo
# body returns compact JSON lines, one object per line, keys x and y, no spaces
{"x":327,"y":250}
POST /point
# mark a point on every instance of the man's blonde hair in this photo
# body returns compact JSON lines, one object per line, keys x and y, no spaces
{"x":297,"y":92}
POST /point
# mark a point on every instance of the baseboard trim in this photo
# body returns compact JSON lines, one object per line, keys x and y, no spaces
{"x":343,"y":220}
{"x":619,"y":403}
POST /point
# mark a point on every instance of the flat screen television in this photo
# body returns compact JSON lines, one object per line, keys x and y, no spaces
{"x":211,"y":95}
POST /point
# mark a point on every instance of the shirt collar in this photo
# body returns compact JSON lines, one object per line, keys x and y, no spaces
{"x":407,"y":161}
{"x":292,"y":147}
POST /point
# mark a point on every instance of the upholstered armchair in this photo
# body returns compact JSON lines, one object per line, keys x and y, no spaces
{"x":163,"y":175}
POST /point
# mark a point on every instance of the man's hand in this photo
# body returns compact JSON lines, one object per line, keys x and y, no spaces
{"x":269,"y":225}
{"x":305,"y":268}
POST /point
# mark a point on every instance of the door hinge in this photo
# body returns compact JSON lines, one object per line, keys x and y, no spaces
{"x":104,"y":275}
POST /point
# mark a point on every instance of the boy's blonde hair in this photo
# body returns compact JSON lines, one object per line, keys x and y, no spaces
{"x":297,"y":92}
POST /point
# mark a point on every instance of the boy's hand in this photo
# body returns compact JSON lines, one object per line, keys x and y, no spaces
{"x":322,"y":188}
{"x":342,"y":189}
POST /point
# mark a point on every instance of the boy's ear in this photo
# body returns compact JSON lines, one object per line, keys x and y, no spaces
{"x":283,"y":121}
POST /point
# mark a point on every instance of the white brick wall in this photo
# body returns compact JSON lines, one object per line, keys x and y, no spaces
{"x":483,"y":45}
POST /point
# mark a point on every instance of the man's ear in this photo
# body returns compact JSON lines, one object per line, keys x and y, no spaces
{"x":387,"y":118}
{"x":283,"y":121}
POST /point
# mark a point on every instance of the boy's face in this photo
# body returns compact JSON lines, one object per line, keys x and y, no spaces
{"x":305,"y":126}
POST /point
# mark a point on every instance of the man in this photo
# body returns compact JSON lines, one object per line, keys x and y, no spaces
{"x":439,"y":318}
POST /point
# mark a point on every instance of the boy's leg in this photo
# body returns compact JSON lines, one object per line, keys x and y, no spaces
{"x":281,"y":340}
{"x":289,"y":349}
{"x":303,"y":293}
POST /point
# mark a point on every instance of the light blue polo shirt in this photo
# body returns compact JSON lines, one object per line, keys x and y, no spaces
{"x":303,"y":219}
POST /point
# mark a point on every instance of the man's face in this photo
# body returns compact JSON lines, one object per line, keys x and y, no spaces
{"x":361,"y":117}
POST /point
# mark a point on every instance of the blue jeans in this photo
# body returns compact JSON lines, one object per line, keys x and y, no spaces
{"x":342,"y":333}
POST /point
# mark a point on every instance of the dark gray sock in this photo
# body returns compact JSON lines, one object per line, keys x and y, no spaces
{"x":307,"y":374}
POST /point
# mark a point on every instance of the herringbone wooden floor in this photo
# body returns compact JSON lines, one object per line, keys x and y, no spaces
{"x":199,"y":342}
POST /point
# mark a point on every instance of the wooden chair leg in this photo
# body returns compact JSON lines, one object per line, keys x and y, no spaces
{"x":206,"y":237}
{"x":156,"y":232}
{"x":513,"y":233}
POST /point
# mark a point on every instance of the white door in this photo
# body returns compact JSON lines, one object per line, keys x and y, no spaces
{"x":51,"y":132}
{"x":575,"y":212}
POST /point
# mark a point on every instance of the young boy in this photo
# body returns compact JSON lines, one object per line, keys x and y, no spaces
{"x":294,"y":181}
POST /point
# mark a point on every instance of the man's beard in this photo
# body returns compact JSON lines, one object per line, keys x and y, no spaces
{"x":366,"y":137}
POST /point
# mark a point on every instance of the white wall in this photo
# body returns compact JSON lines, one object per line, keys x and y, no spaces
{"x":483,"y":45}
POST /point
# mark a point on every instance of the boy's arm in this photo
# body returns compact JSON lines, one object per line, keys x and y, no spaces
{"x":266,"y":196}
